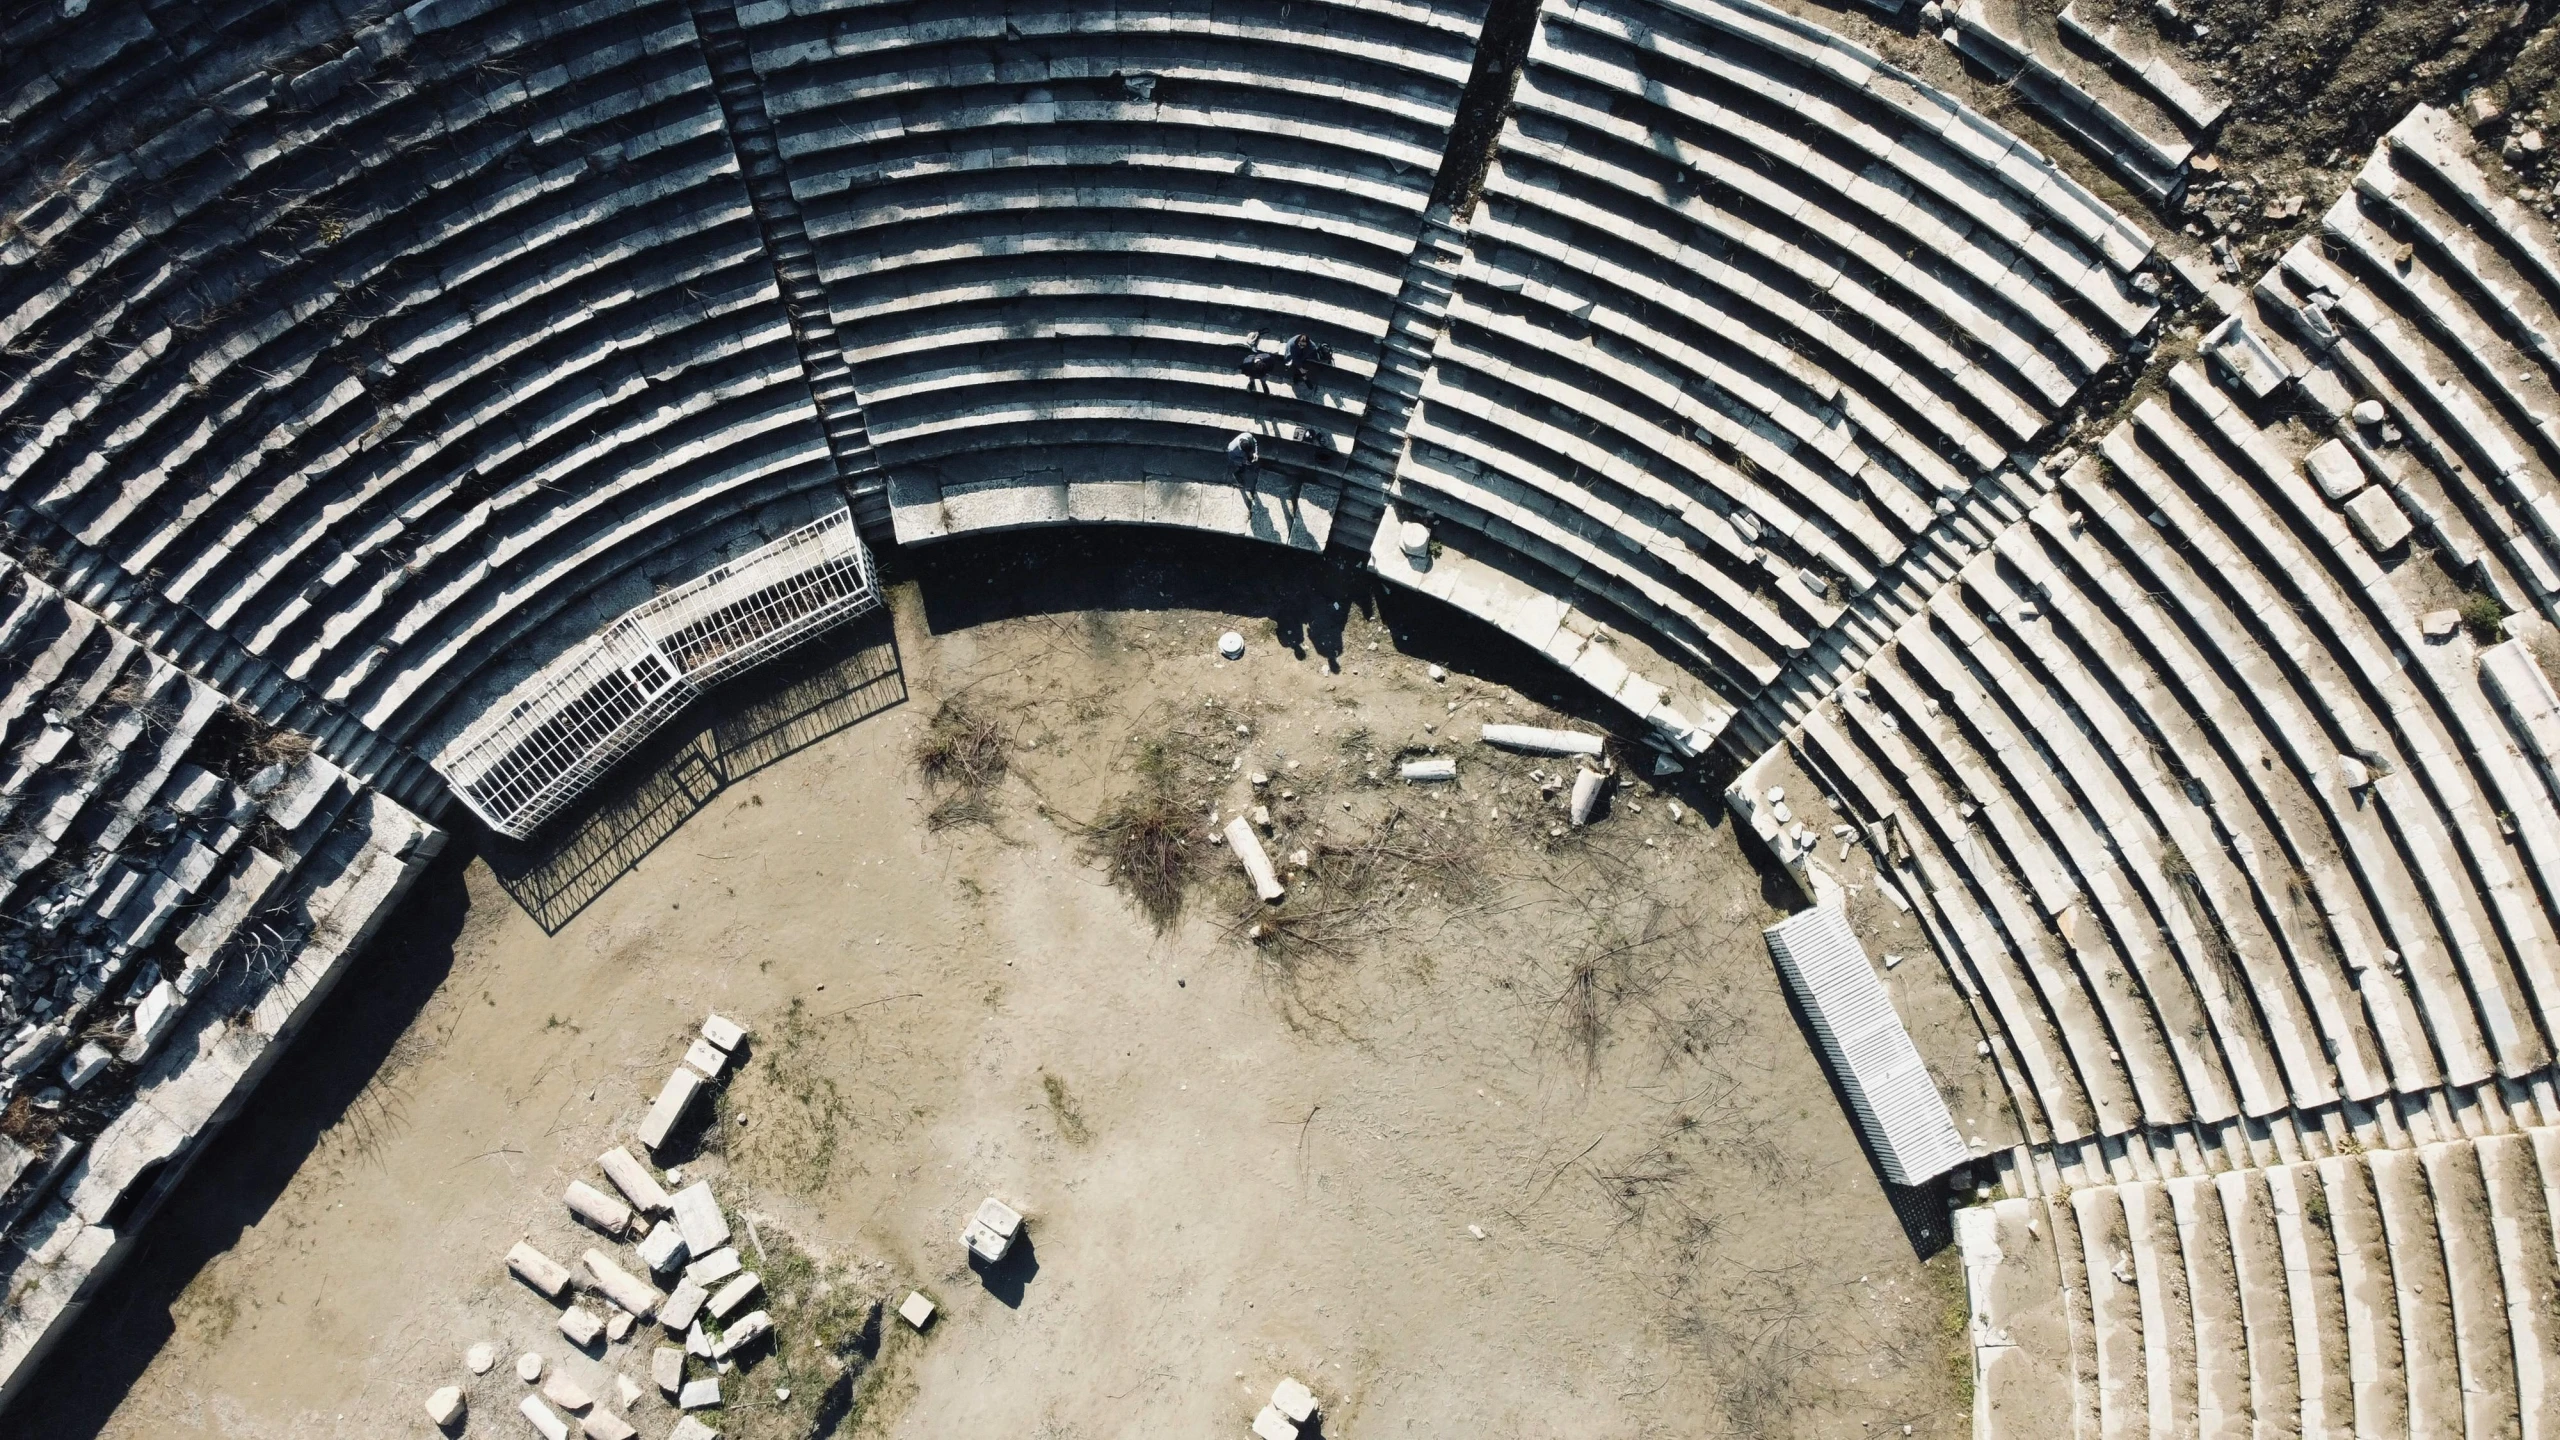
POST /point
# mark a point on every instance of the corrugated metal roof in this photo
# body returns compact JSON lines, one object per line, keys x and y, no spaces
{"x":1896,"y":1104}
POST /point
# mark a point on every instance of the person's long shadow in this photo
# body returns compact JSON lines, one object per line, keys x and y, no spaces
{"x":1009,"y":1277}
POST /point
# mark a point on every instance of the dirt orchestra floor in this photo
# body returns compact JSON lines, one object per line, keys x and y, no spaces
{"x":1491,"y":1130}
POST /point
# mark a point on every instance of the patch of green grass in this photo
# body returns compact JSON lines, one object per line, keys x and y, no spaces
{"x":2484,"y":617}
{"x":827,"y":1331}
{"x":796,"y":1112}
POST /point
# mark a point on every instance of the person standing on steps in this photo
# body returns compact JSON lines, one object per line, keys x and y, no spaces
{"x":1258,"y":364}
{"x":1304,"y":355}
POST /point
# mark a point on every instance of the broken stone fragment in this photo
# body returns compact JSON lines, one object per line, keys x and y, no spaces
{"x":538,"y":1270}
{"x":627,"y":1389}
{"x":633,"y":1179}
{"x":715,"y":1267}
{"x":746,"y":1332}
{"x":1587,"y":788}
{"x":2332,"y":467}
{"x":732,"y":1295}
{"x":916,"y":1310}
{"x":565,"y":1392}
{"x":697,"y":1394}
{"x":695,"y":1342}
{"x":86,"y":1064}
{"x":1428,"y":769}
{"x":1539,"y":741}
{"x":551,"y":1425}
{"x":2353,"y":773}
{"x":2439,"y":624}
{"x":2378,"y":519}
{"x":445,"y":1406}
{"x":666,"y":1367}
{"x":698,"y":1216}
{"x":1293,"y":1400}
{"x":668,"y":1110}
{"x":682,"y":1306}
{"x":480,"y":1357}
{"x":723,"y":1032}
{"x":621,"y":1286}
{"x":1272,"y":1425}
{"x":689,"y":1428}
{"x":663,"y":1248}
{"x":1257,"y":863}
{"x":581,"y":1326}
{"x":528,"y":1367}
{"x":598,"y":1209}
{"x":617,"y":1328}
{"x":603,"y":1424}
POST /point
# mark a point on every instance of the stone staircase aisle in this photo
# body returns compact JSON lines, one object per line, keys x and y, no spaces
{"x":1404,"y":356}
{"x":795,"y":264}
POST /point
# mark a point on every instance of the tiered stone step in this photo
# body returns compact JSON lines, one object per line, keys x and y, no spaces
{"x":387,"y":385}
{"x":2204,"y":815}
{"x":179,"y":878}
{"x":1732,"y":336}
{"x":1046,"y":237}
{"x":2396,"y":1291}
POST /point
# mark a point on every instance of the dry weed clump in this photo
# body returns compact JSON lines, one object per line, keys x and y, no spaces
{"x":966,"y":753}
{"x":1143,"y":841}
{"x":1356,"y":890}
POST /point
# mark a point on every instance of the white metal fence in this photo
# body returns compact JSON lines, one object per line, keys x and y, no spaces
{"x":1895,"y":1101}
{"x":568,"y":724}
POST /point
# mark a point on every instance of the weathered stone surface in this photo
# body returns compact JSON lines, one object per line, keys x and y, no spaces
{"x":1539,"y":741}
{"x":682,"y":1306}
{"x":916,"y":1310}
{"x":445,"y":1406}
{"x":706,"y":1057}
{"x":551,"y":1425}
{"x":663,"y":1248}
{"x":565,"y":1392}
{"x":598,"y":1209}
{"x":698,"y":1217}
{"x":666,"y":1367}
{"x":1293,"y":1399}
{"x":668,"y":1110}
{"x":723,"y":1032}
{"x":754,"y":1326}
{"x":634,"y":1180}
{"x":538,"y":1270}
{"x":715,"y":1267}
{"x":2377,"y":519}
{"x":726,"y":1300}
{"x":621,"y":1286}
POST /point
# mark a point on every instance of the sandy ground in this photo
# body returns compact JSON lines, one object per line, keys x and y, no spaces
{"x":1239,"y":1161}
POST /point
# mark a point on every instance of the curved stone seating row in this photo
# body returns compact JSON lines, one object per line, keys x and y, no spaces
{"x":422,"y":368}
{"x":2144,"y":125}
{"x":1744,"y":312}
{"x":1046,"y":235}
{"x":155,"y":845}
{"x":2394,"y":1291}
{"x":2439,"y":300}
{"x":2194,"y":805}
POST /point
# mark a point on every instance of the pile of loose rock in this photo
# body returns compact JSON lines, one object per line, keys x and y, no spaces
{"x":669,"y":1261}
